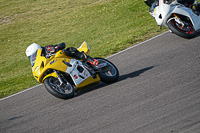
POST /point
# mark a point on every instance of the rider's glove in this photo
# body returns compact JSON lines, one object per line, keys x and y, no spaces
{"x":60,"y":46}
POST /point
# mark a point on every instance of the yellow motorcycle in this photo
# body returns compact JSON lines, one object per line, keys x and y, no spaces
{"x":63,"y":75}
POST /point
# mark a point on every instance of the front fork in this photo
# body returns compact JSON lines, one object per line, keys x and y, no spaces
{"x":178,"y":20}
{"x":63,"y":85}
{"x":59,"y":78}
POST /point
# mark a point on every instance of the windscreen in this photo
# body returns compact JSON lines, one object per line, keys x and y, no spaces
{"x":33,"y":58}
{"x":153,"y":6}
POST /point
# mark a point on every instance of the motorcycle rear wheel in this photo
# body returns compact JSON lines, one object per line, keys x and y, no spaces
{"x":64,"y":91}
{"x":111,"y":75}
{"x":185,"y":32}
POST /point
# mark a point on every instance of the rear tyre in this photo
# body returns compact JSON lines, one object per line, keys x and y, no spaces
{"x":64,"y":91}
{"x":110,"y":74}
{"x":185,"y":32}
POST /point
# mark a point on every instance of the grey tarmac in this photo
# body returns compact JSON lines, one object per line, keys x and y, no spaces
{"x":158,"y":92}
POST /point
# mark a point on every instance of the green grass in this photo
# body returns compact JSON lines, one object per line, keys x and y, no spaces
{"x":108,"y":26}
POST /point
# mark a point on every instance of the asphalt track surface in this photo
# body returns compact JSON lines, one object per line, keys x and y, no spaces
{"x":158,"y":92}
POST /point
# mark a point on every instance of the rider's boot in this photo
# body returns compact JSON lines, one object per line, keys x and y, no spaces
{"x":196,"y":7}
{"x":84,"y":57}
{"x":92,"y":63}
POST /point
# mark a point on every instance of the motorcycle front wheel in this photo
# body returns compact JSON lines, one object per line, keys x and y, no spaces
{"x":109,"y":73}
{"x":63,"y":91}
{"x":186,"y":31}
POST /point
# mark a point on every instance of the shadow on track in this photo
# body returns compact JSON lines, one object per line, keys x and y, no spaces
{"x":134,"y":74}
{"x":121,"y":78}
{"x":197,"y":35}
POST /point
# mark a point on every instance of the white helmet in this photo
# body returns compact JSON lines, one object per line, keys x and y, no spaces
{"x":32,"y":49}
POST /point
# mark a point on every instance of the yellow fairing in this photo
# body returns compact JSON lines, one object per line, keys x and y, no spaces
{"x":42,"y":64}
{"x":50,"y":75}
{"x":85,"y":48}
{"x":88,"y":81}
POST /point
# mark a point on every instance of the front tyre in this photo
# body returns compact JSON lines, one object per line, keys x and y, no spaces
{"x":63,"y":91}
{"x":109,"y":73}
{"x":186,"y":31}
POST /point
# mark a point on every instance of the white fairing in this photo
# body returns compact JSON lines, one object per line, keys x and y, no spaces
{"x":76,"y":75}
{"x":180,"y":9}
{"x":163,"y":12}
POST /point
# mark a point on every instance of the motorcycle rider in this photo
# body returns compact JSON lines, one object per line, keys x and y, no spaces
{"x":188,"y":3}
{"x":49,"y":50}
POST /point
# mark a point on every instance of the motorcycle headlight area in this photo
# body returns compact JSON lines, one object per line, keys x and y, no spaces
{"x":33,"y":58}
{"x":153,"y":6}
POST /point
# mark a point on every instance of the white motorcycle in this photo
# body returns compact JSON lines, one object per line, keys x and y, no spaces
{"x":181,"y":20}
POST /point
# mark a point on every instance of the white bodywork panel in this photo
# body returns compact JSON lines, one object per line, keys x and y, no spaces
{"x":75,"y":74}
